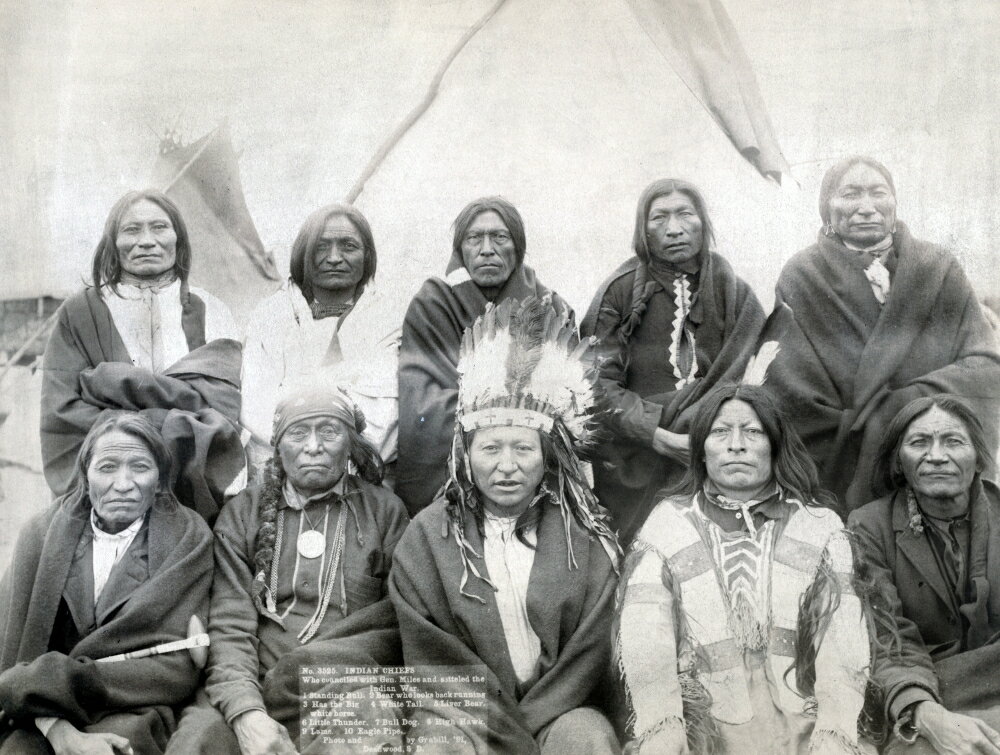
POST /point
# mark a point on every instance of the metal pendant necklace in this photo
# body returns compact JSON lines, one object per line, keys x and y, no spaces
{"x":312,"y":542}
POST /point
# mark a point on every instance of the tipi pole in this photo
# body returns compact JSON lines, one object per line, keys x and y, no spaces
{"x":190,"y":162}
{"x":414,"y":115}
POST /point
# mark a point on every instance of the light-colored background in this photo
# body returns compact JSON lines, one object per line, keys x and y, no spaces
{"x":563,"y":106}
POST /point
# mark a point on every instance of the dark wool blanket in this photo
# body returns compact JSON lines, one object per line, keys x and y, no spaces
{"x":569,"y":609}
{"x":243,"y":673}
{"x":195,"y":402}
{"x":428,"y":373}
{"x":847,"y":365}
{"x":727,"y":320}
{"x":160,"y":582}
{"x":946,"y":644}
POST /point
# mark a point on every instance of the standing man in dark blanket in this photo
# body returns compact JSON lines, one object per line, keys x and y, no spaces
{"x":880,"y":318}
{"x":301,"y":567}
{"x":486,"y":265}
{"x":513,"y":568}
{"x":930,"y":553}
{"x":673,"y":321}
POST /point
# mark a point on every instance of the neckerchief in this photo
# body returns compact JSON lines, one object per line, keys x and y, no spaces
{"x":769,"y":491}
{"x":321,"y":311}
{"x":875,"y":270}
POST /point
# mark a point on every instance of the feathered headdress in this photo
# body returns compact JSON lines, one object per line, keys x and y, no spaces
{"x":522,"y":364}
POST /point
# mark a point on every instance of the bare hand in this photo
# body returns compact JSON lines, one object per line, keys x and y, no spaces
{"x":954,"y":733}
{"x":672,"y":445}
{"x":259,"y":734}
{"x":66,"y":739}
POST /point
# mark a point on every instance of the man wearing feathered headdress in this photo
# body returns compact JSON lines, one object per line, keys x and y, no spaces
{"x":486,"y":265}
{"x":673,"y":321}
{"x":514,"y":567}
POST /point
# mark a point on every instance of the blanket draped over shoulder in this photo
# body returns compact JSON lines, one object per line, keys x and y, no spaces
{"x":195,"y":401}
{"x":428,"y":372}
{"x":569,"y":609}
{"x":728,"y":321}
{"x":160,"y":582}
{"x":244,"y":674}
{"x":847,"y":366}
{"x":946,"y":642}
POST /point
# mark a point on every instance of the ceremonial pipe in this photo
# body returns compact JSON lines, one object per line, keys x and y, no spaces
{"x":196,"y":643}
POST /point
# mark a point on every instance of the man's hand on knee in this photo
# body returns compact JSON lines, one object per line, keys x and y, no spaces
{"x":259,"y":734}
{"x":66,"y":739}
{"x":954,"y":733}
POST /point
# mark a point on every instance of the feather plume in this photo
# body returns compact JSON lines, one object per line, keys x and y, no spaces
{"x":528,"y":356}
{"x":485,"y":349}
{"x":527,"y":331}
{"x":756,"y":372}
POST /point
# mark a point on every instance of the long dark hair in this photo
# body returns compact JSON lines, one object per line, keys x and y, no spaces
{"x":508,"y":214}
{"x":662,"y":188}
{"x":792,"y":467}
{"x":140,"y":428}
{"x":887,"y":476}
{"x":106,"y":269}
{"x":305,"y":244}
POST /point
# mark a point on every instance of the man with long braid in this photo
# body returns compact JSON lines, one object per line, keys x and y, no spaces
{"x":301,"y":566}
{"x":674,"y":321}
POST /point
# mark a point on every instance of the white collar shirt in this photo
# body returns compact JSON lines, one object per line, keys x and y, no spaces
{"x":509,"y":563}
{"x":108,"y":550}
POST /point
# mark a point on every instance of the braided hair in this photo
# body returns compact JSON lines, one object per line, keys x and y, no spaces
{"x":363,"y":455}
{"x":643,"y":286}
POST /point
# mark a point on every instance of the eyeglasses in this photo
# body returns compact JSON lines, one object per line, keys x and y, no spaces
{"x":475,"y":239}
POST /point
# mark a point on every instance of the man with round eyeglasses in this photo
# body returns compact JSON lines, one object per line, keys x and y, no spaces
{"x":486,"y":265}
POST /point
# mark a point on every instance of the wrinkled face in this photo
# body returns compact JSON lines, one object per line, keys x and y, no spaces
{"x":146,"y":240}
{"x":339,"y":256}
{"x":507,"y":467}
{"x":122,"y":480}
{"x":673,"y":229}
{"x":937,"y":456}
{"x":738,"y":451}
{"x":863,"y":208}
{"x":314,"y":453}
{"x":488,"y":251}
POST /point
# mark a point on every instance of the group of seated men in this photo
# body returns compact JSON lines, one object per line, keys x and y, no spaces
{"x":635,"y":539}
